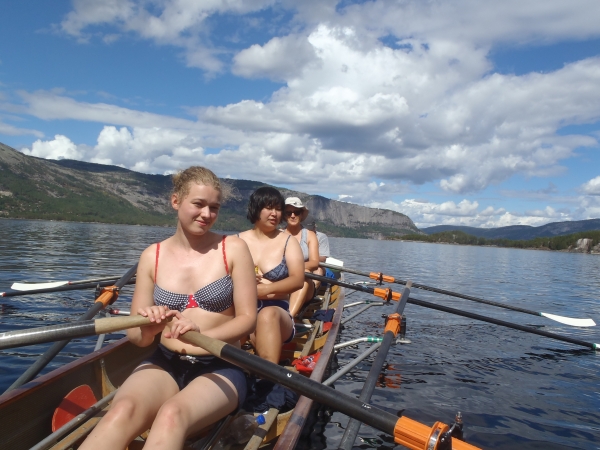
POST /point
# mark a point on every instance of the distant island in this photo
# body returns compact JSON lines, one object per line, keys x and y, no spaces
{"x":583,"y":242}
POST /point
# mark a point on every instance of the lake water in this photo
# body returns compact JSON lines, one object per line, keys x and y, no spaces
{"x":514,"y":389}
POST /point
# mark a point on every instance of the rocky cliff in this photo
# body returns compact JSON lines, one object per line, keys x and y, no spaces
{"x":74,"y":190}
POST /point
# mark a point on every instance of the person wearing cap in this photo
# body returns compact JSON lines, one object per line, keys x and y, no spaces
{"x":311,"y":225}
{"x":295,"y":213}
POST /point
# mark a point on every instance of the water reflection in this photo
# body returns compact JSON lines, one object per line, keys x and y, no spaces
{"x":514,"y":389}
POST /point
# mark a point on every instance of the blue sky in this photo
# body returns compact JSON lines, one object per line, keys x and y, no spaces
{"x":454,"y":112}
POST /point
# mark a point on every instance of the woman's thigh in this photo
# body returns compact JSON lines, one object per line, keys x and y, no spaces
{"x":205,"y":400}
{"x":146,"y":389}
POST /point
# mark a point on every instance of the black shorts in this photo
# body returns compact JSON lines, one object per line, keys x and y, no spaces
{"x":184,"y":369}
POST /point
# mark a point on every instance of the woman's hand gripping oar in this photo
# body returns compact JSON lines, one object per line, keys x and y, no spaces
{"x":389,"y":279}
{"x":84,"y":328}
{"x":388,"y":294}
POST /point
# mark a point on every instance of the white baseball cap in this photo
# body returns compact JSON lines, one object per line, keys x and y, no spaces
{"x":295,"y":201}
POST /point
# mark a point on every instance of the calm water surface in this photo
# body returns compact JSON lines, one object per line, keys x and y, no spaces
{"x":515,"y":390}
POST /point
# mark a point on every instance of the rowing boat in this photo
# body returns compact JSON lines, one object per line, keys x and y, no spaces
{"x":27,"y":413}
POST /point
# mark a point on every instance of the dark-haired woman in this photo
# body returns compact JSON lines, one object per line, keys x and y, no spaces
{"x":279,"y":271}
{"x":205,"y":283}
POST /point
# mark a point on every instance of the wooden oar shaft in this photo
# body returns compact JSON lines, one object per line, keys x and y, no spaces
{"x":60,"y":332}
{"x":368,"y":414}
{"x":390,"y":279}
{"x":458,"y":312}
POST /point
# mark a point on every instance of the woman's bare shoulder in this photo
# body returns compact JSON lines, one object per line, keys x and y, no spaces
{"x":150,"y":252}
{"x":243,"y":235}
{"x":235,"y":243}
{"x":147,"y":260}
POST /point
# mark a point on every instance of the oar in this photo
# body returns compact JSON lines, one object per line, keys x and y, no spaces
{"x":405,"y":431}
{"x":389,"y":279}
{"x":391,"y":295}
{"x":29,"y":286}
{"x":107,"y":297}
{"x":51,"y":333}
{"x":392,"y":328}
{"x":63,"y":288}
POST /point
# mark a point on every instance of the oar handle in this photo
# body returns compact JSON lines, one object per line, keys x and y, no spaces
{"x":60,"y":332}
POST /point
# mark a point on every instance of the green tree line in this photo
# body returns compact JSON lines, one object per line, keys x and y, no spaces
{"x":548,"y":243}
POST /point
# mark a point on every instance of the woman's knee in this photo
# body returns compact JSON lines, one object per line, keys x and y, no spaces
{"x":267,"y":316}
{"x":171,"y":414}
{"x":123,"y":410}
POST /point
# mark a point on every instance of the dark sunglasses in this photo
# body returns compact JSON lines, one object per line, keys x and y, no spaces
{"x":296,"y":212}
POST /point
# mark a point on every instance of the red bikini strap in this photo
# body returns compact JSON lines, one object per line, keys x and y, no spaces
{"x":225,"y":256}
{"x":156,"y":264}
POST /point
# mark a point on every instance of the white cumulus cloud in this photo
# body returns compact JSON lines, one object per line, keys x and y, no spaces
{"x":379,"y":99}
{"x":592,"y":187}
{"x":61,"y":147}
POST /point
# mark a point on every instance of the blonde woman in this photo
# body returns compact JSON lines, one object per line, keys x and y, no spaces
{"x":205,"y":282}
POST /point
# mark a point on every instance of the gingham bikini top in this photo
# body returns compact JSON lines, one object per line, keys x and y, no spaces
{"x":214,"y":297}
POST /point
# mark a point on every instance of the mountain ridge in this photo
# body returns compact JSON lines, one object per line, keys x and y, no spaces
{"x":73,"y":190}
{"x":521,"y":232}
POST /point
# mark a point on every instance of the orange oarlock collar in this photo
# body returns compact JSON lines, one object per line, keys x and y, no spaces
{"x":381,"y":277}
{"x":393,"y":323}
{"x":383,"y":293}
{"x":386,"y":294}
{"x":108,"y":295}
{"x":417,"y":436}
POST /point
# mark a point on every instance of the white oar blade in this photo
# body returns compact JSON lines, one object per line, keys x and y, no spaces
{"x":34,"y":286}
{"x":335,"y":262}
{"x":570,"y":320}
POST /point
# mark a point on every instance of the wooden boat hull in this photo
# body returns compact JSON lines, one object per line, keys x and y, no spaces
{"x":26,"y":413}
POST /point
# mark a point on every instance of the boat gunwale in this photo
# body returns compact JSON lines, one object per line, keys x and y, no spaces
{"x":39,"y":382}
{"x":291,"y":433}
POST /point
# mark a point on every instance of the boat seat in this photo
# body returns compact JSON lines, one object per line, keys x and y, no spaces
{"x":302,"y":329}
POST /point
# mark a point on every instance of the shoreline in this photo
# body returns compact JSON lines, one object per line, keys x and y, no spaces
{"x":341,"y":237}
{"x":543,"y":249}
{"x":93,"y":223}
